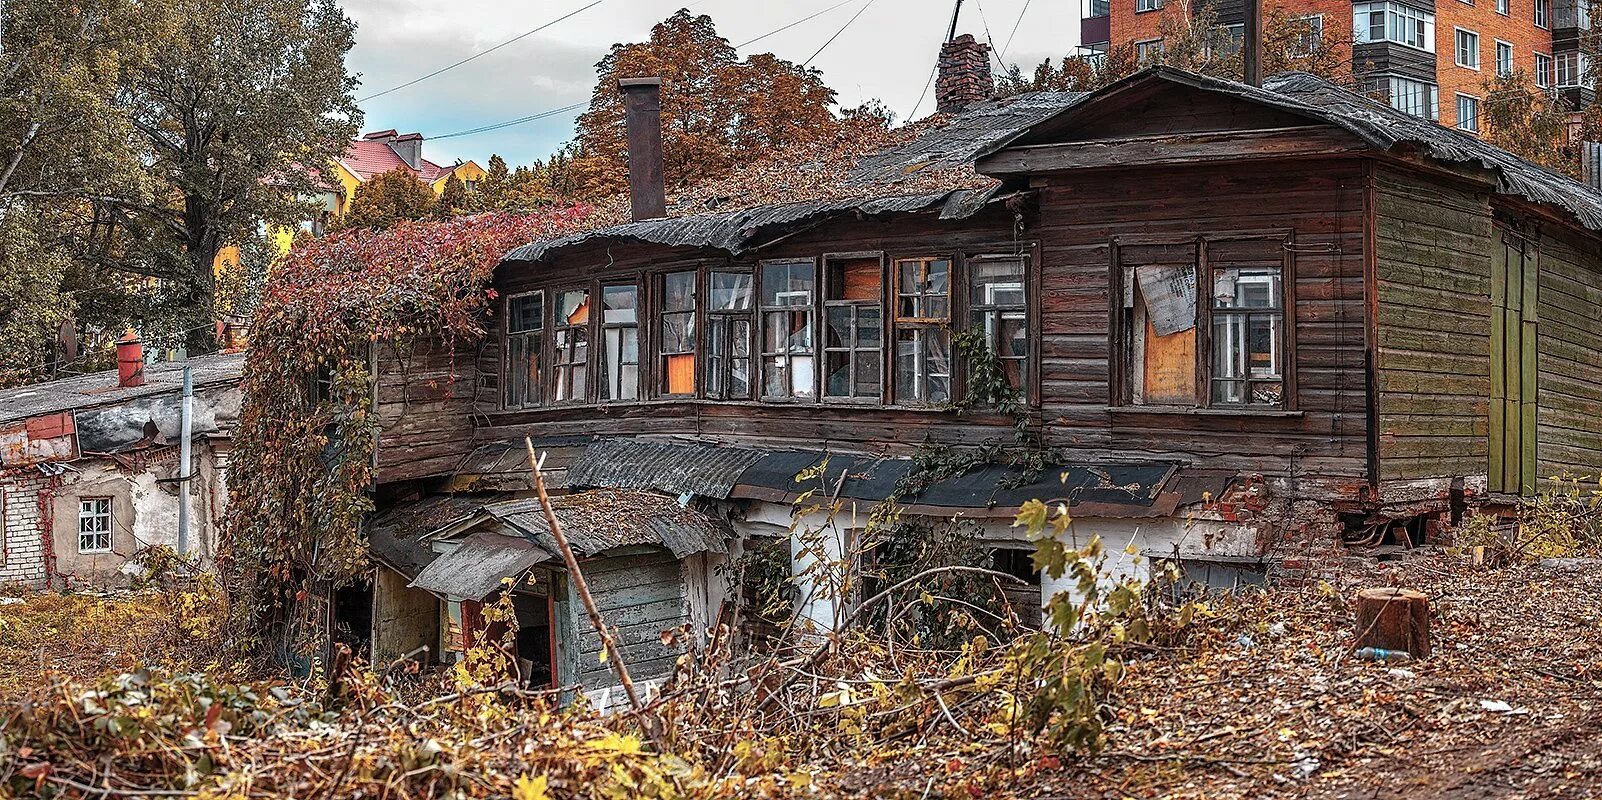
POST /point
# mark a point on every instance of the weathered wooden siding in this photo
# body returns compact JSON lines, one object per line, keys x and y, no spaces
{"x":1320,"y":203}
{"x":425,"y":408}
{"x":640,"y":595}
{"x":1433,"y":248}
{"x":1569,"y":354}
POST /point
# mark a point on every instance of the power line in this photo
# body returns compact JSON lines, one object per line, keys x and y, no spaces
{"x":481,"y":54}
{"x":1015,"y":27}
{"x":838,"y":32}
{"x":793,"y":24}
{"x":511,"y":122}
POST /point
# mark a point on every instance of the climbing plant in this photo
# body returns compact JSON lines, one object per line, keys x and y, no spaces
{"x":306,"y":442}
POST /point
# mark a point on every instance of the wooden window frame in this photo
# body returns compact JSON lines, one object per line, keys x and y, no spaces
{"x":541,"y":360}
{"x":659,"y":314}
{"x":589,"y":346}
{"x":763,"y":310}
{"x":728,"y":318}
{"x":111,"y":524}
{"x":825,"y":303}
{"x":901,"y":323}
{"x":1030,"y":360}
{"x":598,"y":314}
{"x":1121,"y":361}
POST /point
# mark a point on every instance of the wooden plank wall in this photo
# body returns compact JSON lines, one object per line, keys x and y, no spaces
{"x":1434,"y":243}
{"x":640,"y":595}
{"x":425,"y":408}
{"x":1569,"y":354}
{"x":1321,"y":202}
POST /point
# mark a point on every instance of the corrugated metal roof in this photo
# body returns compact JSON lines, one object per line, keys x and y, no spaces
{"x":395,"y":536}
{"x":478,"y":565}
{"x":1382,"y":127}
{"x":597,"y":521}
{"x":100,"y":388}
{"x":675,"y":467}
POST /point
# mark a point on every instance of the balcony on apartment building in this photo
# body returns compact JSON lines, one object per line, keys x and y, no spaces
{"x":1095,"y":25}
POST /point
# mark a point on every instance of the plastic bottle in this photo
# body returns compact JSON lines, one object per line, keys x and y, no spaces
{"x":1383,"y":655}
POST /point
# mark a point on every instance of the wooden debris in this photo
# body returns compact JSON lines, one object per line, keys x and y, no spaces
{"x":1393,"y":619}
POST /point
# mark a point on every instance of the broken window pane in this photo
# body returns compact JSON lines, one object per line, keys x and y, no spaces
{"x":1162,"y":334}
{"x":997,"y":305}
{"x":728,"y":336}
{"x":923,"y":366}
{"x":1247,"y":313}
{"x":731,"y":291}
{"x":620,"y":334}
{"x":678,"y":333}
{"x":572,"y":345}
{"x":924,"y":290}
{"x":525,"y":319}
{"x":787,"y":348}
{"x":854,"y":328}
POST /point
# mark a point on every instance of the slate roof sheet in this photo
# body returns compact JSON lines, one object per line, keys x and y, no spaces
{"x":597,"y":521}
{"x":98,"y":389}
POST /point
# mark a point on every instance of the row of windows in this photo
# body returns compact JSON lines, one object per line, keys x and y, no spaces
{"x":1150,"y":50}
{"x":785,"y":331}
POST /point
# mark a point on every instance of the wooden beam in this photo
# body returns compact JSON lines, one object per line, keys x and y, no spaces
{"x":1183,"y":148}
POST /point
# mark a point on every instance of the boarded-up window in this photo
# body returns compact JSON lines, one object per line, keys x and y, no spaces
{"x":525,"y":325}
{"x":728,"y":336}
{"x":620,"y":336}
{"x":788,"y":295}
{"x":854,"y":328}
{"x":1161,"y":332}
{"x":572,"y":345}
{"x":678,"y":333}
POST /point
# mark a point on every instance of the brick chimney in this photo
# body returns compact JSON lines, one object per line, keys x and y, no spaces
{"x":642,"y":108}
{"x":965,"y":76}
{"x":130,"y":361}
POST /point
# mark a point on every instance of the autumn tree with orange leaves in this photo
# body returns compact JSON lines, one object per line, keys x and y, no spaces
{"x":717,"y":109}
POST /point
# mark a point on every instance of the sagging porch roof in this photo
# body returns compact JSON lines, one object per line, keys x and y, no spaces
{"x":1090,"y":488}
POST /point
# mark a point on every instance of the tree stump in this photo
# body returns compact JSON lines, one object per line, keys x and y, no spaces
{"x":1394,"y":619}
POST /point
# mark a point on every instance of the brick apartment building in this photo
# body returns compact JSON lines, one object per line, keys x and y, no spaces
{"x":1430,"y":57}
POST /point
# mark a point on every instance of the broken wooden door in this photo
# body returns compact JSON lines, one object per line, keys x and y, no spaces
{"x":1514,"y":271}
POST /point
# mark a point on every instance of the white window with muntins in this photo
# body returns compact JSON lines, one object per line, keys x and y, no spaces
{"x":94,"y":525}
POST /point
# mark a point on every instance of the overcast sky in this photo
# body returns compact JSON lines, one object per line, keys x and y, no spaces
{"x":887,"y":54}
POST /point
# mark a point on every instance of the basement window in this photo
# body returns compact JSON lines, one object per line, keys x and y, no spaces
{"x":997,"y":306}
{"x":678,"y":334}
{"x":620,"y":338}
{"x":572,"y":343}
{"x":94,"y":525}
{"x":923,"y":331}
{"x":728,"y":336}
{"x":853,"y":311}
{"x":525,"y":325}
{"x":789,"y":370}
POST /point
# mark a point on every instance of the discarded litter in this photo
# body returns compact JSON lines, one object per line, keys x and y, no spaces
{"x":1381,"y":654}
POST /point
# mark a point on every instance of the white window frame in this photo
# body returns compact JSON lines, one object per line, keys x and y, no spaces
{"x":1475,"y":101}
{"x":1144,"y":50}
{"x":1428,"y":91}
{"x":1399,"y":20}
{"x":1458,"y":51}
{"x":1543,"y":14}
{"x":87,"y":513}
{"x":1544,"y":70}
{"x":1143,"y":6}
{"x":1502,"y":7}
{"x":1308,"y":43}
{"x":1577,"y":67}
{"x":1512,"y":58}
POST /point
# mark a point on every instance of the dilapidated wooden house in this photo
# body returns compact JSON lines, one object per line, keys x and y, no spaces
{"x":1242,"y":323}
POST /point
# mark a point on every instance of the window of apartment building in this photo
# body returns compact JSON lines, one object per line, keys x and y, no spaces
{"x":1149,"y":50}
{"x":923,"y":331}
{"x":571,"y":340}
{"x":1501,"y":7}
{"x":94,"y":525}
{"x":997,"y":305}
{"x":1311,"y":35}
{"x":1468,"y":49}
{"x":1571,"y":69}
{"x":853,"y":327}
{"x":1098,"y":8}
{"x":1230,"y":40}
{"x":1504,"y":59}
{"x":1148,"y":5}
{"x":525,"y":326}
{"x":1394,"y":22}
{"x":728,"y":336}
{"x":676,"y":336}
{"x":1227,"y":348}
{"x":620,"y":340}
{"x":1468,"y":113}
{"x":1414,"y":97}
{"x":788,"y":357}
{"x":1543,"y":13}
{"x":1543,"y":70}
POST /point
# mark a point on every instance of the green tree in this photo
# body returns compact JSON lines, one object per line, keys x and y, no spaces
{"x":716,"y":109}
{"x":388,"y":198}
{"x":1528,"y":121}
{"x":455,"y":199}
{"x":32,"y":304}
{"x":229,"y":109}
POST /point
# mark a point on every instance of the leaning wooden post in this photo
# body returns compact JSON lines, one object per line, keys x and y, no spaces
{"x":583,"y":589}
{"x":1397,"y":620}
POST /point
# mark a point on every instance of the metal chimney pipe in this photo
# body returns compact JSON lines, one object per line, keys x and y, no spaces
{"x":642,"y":107}
{"x":1252,"y":46}
{"x":130,"y":361}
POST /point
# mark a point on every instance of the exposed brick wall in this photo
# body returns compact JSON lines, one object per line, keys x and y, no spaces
{"x":25,"y":557}
{"x":965,"y":76}
{"x":1517,"y":28}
